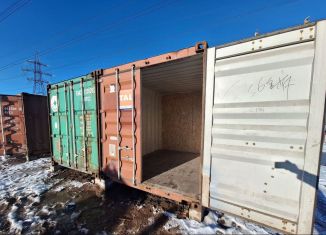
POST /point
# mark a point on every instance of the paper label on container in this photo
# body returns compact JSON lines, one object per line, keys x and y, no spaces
{"x":54,"y":103}
{"x":112,"y":150}
{"x":113,"y":138}
{"x":112,"y":88}
{"x":126,"y":99}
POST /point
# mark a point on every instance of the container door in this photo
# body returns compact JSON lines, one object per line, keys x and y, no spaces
{"x":73,"y":114}
{"x":36,"y":123}
{"x":120,"y":121}
{"x":12,"y":126}
{"x":263,"y":126}
{"x":2,"y":134}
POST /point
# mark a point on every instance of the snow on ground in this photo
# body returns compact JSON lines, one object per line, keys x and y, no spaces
{"x":320,"y":213}
{"x":24,"y":180}
{"x":22,"y":185}
{"x":212,"y":225}
{"x":69,"y":183}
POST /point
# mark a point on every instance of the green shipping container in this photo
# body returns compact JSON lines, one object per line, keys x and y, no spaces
{"x":74,"y":124}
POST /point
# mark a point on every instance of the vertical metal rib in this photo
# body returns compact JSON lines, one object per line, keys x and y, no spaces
{"x":84,"y":122}
{"x":118,"y":121}
{"x":133,"y":124}
{"x":67,"y":128}
{"x":72,"y":114}
{"x":59,"y":124}
{"x":2,"y":128}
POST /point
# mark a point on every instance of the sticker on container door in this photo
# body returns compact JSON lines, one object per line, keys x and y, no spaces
{"x":54,"y":103}
{"x":112,"y":150}
{"x":126,"y":99}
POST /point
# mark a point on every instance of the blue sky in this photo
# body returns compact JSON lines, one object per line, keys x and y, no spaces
{"x":76,"y":37}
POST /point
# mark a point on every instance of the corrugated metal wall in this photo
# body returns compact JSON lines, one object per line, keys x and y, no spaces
{"x":258,"y":110}
{"x":151,"y":121}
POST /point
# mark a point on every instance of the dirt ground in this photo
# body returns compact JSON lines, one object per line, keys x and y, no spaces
{"x":88,"y":210}
{"x":35,"y":200}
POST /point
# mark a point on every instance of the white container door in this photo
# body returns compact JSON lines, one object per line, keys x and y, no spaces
{"x":263,"y":128}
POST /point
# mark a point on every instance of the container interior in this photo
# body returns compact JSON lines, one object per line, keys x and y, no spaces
{"x":171,"y":124}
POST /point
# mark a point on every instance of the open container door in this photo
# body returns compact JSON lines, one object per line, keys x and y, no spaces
{"x":263,"y":127}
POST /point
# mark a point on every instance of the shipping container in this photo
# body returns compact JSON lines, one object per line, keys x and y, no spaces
{"x":73,"y":124}
{"x":240,"y":132}
{"x":236,"y":128}
{"x":151,"y":119}
{"x":24,"y":125}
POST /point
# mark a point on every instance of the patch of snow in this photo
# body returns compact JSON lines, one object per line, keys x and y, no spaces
{"x":59,"y":188}
{"x":75,"y":215}
{"x":20,"y":182}
{"x":3,"y":158}
{"x":320,"y":213}
{"x":15,"y":224}
{"x":45,"y":210}
{"x":101,"y":233}
{"x":155,"y":210}
{"x":76,"y":184}
{"x":139,"y":206}
{"x":151,"y":220}
{"x":210,"y":225}
{"x":69,"y":184}
{"x":84,"y":230}
{"x":25,"y":179}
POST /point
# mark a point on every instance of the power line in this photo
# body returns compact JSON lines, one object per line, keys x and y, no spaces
{"x":230,"y":18}
{"x":12,"y":9}
{"x":12,"y":78}
{"x":38,"y":80}
{"x":68,"y":29}
{"x":87,"y":35}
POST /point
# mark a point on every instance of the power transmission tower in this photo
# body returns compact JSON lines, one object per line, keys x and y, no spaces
{"x":38,"y":75}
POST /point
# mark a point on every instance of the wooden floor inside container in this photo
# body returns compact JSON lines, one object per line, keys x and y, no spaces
{"x":178,"y":171}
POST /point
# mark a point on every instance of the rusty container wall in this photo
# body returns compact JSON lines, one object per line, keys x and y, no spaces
{"x":120,"y":110}
{"x":36,"y":123}
{"x":12,"y":126}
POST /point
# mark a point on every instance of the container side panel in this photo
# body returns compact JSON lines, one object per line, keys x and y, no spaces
{"x":13,"y":126}
{"x":151,"y":121}
{"x":259,"y":131}
{"x":74,"y":124}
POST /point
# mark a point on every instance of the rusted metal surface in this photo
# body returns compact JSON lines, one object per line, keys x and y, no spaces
{"x":117,"y":133}
{"x":36,"y":123}
{"x":13,"y":139}
{"x":120,"y":116}
{"x":23,"y":125}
